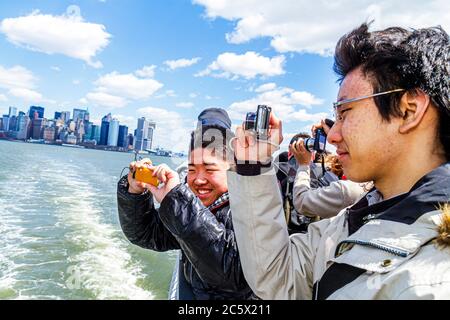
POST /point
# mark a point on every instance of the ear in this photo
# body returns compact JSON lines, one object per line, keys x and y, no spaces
{"x":413,"y":106}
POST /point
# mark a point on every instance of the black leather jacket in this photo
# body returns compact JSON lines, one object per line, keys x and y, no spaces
{"x":209,"y":251}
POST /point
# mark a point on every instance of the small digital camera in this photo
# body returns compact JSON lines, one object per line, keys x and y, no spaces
{"x":259,"y":122}
{"x":319,"y":142}
{"x":145,"y":175}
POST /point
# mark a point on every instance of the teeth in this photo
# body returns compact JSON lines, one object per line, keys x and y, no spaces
{"x":203,"y":191}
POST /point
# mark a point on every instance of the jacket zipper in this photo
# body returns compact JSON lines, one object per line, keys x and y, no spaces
{"x":394,"y":251}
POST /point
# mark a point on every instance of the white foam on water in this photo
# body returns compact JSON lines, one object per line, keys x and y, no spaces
{"x":12,"y":240}
{"x":104,"y":266}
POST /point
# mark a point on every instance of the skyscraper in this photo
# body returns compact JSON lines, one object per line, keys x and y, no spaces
{"x":5,"y":122}
{"x":149,"y":139}
{"x":123,"y":137}
{"x":37,"y":128}
{"x":79,"y":114}
{"x":12,"y":112}
{"x":113,"y":133}
{"x":104,"y":131}
{"x":142,"y":129}
{"x":23,"y":127}
{"x":65,"y":115}
{"x":39,"y":110}
{"x":58,"y":115}
{"x":95,"y":133}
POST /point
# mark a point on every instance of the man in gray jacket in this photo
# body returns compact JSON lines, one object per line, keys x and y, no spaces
{"x":393,"y":102}
{"x":324,"y":202}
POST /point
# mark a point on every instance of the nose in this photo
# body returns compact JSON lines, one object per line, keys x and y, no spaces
{"x":335,"y":134}
{"x":200,"y":180}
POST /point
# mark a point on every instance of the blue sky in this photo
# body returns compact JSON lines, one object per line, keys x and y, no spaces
{"x":169,"y":59}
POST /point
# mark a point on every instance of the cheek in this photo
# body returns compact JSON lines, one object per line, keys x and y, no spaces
{"x":219,"y":181}
{"x":190,"y":180}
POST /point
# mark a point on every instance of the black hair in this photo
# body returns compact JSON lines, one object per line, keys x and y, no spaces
{"x":213,"y":137}
{"x":396,"y":58}
{"x":302,"y":135}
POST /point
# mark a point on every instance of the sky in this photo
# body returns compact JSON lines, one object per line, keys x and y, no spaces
{"x":167,"y":60}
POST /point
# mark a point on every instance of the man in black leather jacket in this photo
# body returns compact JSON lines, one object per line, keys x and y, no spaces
{"x":194,"y":217}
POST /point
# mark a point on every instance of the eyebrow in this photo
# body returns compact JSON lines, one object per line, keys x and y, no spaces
{"x":204,"y":163}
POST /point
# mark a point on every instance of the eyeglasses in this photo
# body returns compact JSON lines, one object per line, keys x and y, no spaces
{"x":336,"y":105}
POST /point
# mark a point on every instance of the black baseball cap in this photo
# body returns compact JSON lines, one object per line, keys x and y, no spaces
{"x":214,"y":117}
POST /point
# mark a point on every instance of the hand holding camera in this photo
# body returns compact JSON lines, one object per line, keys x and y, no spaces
{"x":159,"y":180}
{"x":259,"y":137}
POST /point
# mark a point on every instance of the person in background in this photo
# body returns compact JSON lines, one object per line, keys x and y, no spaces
{"x":325,"y":201}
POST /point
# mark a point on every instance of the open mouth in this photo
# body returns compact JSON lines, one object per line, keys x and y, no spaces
{"x":203,"y":193}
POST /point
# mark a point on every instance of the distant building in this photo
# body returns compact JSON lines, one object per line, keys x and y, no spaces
{"x":123,"y":137}
{"x":113,"y":133}
{"x":12,"y":112}
{"x":49,"y":134}
{"x":13,"y":123}
{"x":130,"y":140}
{"x":142,"y":126}
{"x":104,"y":130}
{"x":88,"y":130}
{"x":23,"y":127}
{"x":57,"y":115}
{"x":37,"y":128}
{"x":80,"y":114}
{"x":38,"y":110}
{"x":5,"y":123}
{"x":148,"y":141}
{"x":71,"y":139}
{"x":95,"y":133}
{"x":65,"y":115}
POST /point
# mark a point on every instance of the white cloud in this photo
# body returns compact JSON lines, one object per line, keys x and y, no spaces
{"x":16,"y":77}
{"x":3,"y":98}
{"x":248,"y":65}
{"x":103,"y":99}
{"x":186,"y":105}
{"x":284,"y":102}
{"x":21,"y":83}
{"x":193,"y":95}
{"x":173,"y":130}
{"x":167,"y":93}
{"x":146,"y":72}
{"x":67,"y":34}
{"x":76,"y":82}
{"x":127,"y":85}
{"x":266,"y":87}
{"x":315,"y":26}
{"x":27,"y":95}
{"x":114,"y":90}
{"x":56,"y":69}
{"x":181,"y":63}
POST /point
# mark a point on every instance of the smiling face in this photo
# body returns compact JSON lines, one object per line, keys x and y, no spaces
{"x":365,"y":143}
{"x":207,"y":175}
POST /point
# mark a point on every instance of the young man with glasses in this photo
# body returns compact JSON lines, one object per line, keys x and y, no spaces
{"x":393,"y":128}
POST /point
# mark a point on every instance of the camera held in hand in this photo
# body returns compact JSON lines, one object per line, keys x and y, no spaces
{"x":259,"y":122}
{"x":319,"y":142}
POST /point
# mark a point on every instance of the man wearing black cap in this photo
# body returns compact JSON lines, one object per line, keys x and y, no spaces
{"x":195,"y":218}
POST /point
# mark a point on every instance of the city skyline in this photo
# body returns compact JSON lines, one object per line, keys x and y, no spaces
{"x":62,"y":129}
{"x":167,"y":60}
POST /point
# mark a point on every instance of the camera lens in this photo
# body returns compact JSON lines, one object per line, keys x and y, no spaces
{"x":309,"y":144}
{"x":250,"y":121}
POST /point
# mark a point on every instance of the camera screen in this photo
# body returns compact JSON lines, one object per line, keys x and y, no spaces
{"x":322,"y":141}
